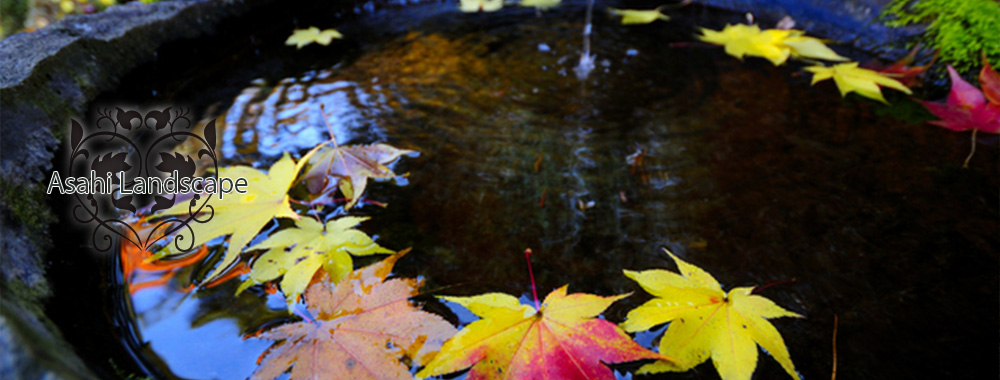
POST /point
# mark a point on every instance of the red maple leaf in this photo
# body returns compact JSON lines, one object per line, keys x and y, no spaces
{"x":967,"y":108}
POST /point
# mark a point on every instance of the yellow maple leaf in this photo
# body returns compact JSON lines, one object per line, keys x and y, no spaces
{"x":297,"y":253}
{"x":707,"y":322}
{"x":303,"y":37}
{"x":540,"y":4}
{"x":470,"y":6}
{"x":851,"y":78}
{"x":775,"y":45}
{"x":638,"y":16}
{"x":243,"y":215}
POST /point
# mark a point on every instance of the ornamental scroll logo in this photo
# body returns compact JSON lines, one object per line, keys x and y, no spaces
{"x":129,"y":166}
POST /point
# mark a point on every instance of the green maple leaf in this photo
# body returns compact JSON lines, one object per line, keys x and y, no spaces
{"x":298,"y":253}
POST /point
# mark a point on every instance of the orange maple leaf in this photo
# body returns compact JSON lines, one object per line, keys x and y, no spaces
{"x":562,"y":340}
{"x":364,"y":326}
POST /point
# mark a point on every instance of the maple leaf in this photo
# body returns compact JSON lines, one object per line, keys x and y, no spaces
{"x":243,"y":215}
{"x":312,"y":246}
{"x":967,"y":108}
{"x":303,"y":37}
{"x":355,"y":164}
{"x":562,"y":340}
{"x":706,"y":322}
{"x":540,"y":4}
{"x":471,"y":6}
{"x":989,"y":80}
{"x":365,"y":326}
{"x":902,"y":70}
{"x":775,"y":45}
{"x":851,"y":78}
{"x":637,"y":17}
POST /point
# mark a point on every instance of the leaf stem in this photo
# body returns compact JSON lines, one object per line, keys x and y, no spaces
{"x":534,"y":289}
{"x":972,"y":152}
{"x":765,"y":286}
{"x":329,"y":128}
{"x":303,"y":314}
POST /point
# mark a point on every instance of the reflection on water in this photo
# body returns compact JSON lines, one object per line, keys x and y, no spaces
{"x":741,"y":168}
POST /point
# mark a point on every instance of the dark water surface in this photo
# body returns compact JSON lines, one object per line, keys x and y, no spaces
{"x":746,"y":171}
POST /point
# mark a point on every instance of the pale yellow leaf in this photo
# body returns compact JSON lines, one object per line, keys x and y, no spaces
{"x":851,"y":78}
{"x":243,"y":215}
{"x":639,"y":16}
{"x":297,"y":253}
{"x":540,"y":4}
{"x":303,"y":37}
{"x":470,"y":6}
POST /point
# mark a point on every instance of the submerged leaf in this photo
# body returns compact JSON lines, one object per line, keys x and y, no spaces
{"x":638,"y":16}
{"x":365,"y":328}
{"x":851,"y":78}
{"x":297,"y":253}
{"x":303,"y":37}
{"x":563,"y":340}
{"x":350,"y":167}
{"x":706,"y":322}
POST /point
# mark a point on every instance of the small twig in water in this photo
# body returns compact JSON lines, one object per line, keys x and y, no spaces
{"x":833,"y":373}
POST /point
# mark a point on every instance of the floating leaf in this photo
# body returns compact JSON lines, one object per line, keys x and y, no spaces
{"x":355,"y":164}
{"x":902,"y":70}
{"x":541,"y":4}
{"x":365,"y":328}
{"x":851,"y":78}
{"x":297,"y":253}
{"x":637,"y":16}
{"x":706,"y":322}
{"x":243,"y":215}
{"x":470,"y":6}
{"x":562,"y":340}
{"x":967,"y":108}
{"x":303,"y":37}
{"x":989,"y":80}
{"x":775,"y":45}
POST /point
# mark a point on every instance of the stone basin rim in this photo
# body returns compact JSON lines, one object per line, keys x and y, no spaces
{"x":56,"y":72}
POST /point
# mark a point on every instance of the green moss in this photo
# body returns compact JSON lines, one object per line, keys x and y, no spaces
{"x":961,"y":30}
{"x":12,"y":14}
{"x":29,"y":205}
